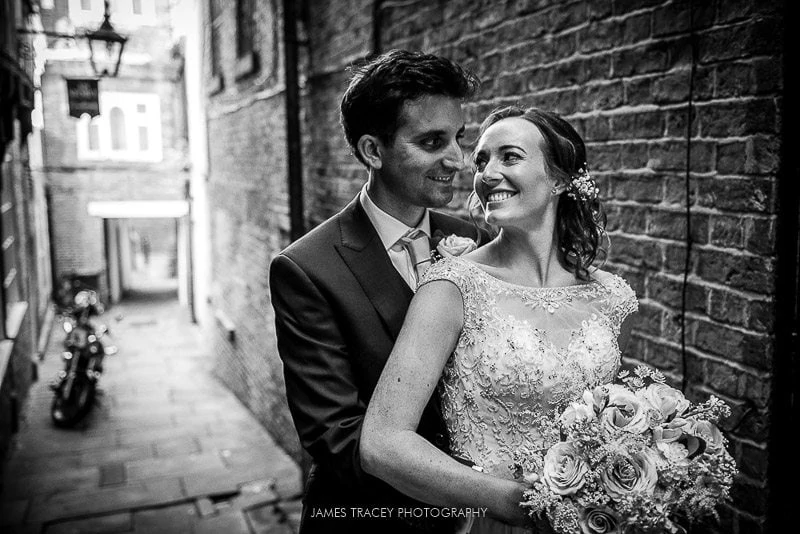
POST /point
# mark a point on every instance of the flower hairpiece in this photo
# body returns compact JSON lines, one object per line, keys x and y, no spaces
{"x":582,"y":186}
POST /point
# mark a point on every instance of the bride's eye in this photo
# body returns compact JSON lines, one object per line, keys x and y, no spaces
{"x":480,"y":163}
{"x":511,"y":157}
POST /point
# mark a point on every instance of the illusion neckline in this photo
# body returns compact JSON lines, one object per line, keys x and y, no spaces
{"x":475,"y":266}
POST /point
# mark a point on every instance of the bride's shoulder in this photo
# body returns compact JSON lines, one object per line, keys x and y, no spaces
{"x":449,"y":267}
{"x":614,"y":283}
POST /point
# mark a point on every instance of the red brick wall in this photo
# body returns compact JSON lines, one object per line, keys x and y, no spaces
{"x":621,"y":72}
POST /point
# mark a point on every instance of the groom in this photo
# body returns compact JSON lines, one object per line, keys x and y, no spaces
{"x":340,"y":293}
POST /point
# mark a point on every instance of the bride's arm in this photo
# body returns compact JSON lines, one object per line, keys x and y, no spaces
{"x":392,"y":450}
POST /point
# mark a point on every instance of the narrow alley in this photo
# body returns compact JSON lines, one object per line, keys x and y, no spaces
{"x":165,"y":449}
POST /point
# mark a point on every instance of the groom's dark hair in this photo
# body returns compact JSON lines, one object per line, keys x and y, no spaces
{"x":379,"y":88}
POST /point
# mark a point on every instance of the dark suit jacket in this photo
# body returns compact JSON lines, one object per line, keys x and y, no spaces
{"x":339,"y":306}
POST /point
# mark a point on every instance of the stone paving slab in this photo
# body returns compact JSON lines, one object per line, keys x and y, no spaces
{"x":104,"y":524}
{"x":164,"y":433}
{"x":169,"y":520}
{"x":68,"y":504}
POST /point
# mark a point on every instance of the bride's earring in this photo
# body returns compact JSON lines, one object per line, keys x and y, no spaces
{"x":554,"y":191}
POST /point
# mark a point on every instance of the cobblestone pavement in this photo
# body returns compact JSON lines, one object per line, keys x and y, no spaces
{"x":166,"y":448}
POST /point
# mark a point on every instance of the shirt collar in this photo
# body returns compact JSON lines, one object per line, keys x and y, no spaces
{"x":389,"y":229}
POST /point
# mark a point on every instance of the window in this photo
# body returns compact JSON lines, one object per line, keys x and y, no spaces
{"x":10,"y":280}
{"x":215,"y":10}
{"x":117,"y":118}
{"x":128,"y":129}
{"x":246,"y":58}
{"x":125,"y":14}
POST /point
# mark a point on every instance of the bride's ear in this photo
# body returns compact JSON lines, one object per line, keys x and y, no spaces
{"x":369,"y":147}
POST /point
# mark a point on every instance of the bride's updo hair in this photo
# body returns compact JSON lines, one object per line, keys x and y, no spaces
{"x":580,"y":219}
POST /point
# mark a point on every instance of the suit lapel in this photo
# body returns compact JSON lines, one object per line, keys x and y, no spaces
{"x":363,"y":253}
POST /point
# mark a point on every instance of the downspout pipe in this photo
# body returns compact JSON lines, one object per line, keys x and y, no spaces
{"x":294,"y":154}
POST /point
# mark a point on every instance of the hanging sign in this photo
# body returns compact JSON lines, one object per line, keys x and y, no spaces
{"x":83,"y":97}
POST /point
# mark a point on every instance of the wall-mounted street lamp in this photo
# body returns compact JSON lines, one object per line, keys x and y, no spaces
{"x":105,"y":47}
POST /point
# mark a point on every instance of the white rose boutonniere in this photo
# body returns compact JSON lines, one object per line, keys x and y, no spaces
{"x":454,"y":245}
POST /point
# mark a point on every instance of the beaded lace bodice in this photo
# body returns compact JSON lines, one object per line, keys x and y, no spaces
{"x":522,"y":353}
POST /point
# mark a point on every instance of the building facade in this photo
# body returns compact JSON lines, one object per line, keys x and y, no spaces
{"x":106,"y":172}
{"x":25,"y":314}
{"x":682,"y":107}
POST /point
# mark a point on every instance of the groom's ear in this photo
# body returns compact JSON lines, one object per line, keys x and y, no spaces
{"x":369,"y":147}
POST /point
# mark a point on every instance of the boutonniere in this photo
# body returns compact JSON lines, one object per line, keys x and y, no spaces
{"x":451,"y":245}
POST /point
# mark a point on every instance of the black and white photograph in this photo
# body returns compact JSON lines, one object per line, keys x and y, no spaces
{"x":399,"y":266}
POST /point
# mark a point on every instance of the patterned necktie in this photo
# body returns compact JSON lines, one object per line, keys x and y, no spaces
{"x":419,"y":250}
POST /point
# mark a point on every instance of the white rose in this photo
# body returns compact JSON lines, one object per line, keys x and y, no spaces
{"x":625,"y":411}
{"x":576,"y":412}
{"x":454,"y":245}
{"x":708,"y":432}
{"x":564,"y":469}
{"x":627,"y":474}
{"x":666,"y":400}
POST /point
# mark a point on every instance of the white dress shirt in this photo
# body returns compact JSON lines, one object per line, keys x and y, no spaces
{"x":390,"y":230}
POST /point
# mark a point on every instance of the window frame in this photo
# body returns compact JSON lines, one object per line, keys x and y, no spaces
{"x":134,"y":119}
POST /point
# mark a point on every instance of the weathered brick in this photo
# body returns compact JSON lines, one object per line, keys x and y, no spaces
{"x":727,"y":307}
{"x":738,"y":118}
{"x":763,"y":155}
{"x":622,"y":7}
{"x":731,"y":157}
{"x":599,"y":96}
{"x":636,"y":252}
{"x":634,"y":155}
{"x":637,"y":125}
{"x":761,"y":316}
{"x":640,"y":60}
{"x":672,"y":87}
{"x":669,"y":291}
{"x":599,"y":35}
{"x":636,"y":28}
{"x":752,"y":460}
{"x":727,"y":231}
{"x":632,"y":219}
{"x":667,"y":155}
{"x":641,"y":188}
{"x":595,"y":128}
{"x":741,"y":40}
{"x":671,"y":18}
{"x":741,"y":271}
{"x":664,"y":357}
{"x":752,"y":195}
{"x":760,"y":235}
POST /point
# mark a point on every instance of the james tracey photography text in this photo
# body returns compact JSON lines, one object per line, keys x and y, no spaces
{"x":388,"y":512}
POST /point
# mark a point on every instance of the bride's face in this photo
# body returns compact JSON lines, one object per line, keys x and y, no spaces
{"x":511,"y":179}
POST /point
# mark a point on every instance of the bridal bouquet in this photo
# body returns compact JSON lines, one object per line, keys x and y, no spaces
{"x":634,"y":457}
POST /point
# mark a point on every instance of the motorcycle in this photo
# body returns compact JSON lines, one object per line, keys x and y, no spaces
{"x":75,"y":386}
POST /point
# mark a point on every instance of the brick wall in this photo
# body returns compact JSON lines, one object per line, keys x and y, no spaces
{"x":623,"y":72}
{"x":248,"y":206}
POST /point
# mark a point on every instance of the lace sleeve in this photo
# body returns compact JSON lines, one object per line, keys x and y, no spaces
{"x":456,"y":272}
{"x":621,"y":300}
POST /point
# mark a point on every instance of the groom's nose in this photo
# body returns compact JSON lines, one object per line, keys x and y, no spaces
{"x":454,"y":157}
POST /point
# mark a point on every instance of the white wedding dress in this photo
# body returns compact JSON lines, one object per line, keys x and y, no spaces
{"x":523,"y":352}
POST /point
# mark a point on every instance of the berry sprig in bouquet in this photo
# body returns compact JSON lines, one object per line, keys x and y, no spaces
{"x":634,"y":456}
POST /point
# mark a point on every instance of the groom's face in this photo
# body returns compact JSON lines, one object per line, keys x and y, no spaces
{"x":419,"y":165}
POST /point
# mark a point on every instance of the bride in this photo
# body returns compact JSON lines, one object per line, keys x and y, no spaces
{"x":508,"y":333}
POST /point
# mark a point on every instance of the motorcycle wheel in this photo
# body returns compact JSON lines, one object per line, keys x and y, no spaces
{"x":66,"y":412}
